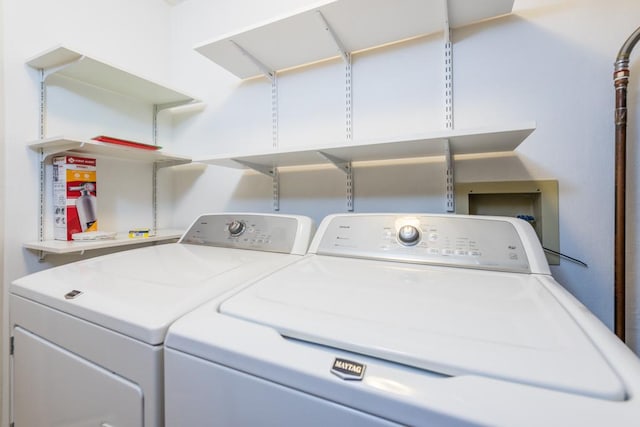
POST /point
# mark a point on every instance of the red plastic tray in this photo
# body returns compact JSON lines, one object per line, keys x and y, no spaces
{"x":124,"y":142}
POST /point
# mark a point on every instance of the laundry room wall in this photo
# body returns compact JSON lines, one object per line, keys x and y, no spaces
{"x":3,"y":183}
{"x":551,"y":62}
{"x":132,"y":35}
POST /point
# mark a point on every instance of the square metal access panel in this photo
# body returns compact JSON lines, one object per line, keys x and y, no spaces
{"x":534,"y":201}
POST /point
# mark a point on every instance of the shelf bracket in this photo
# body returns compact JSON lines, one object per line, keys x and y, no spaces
{"x":169,"y":163}
{"x":270,"y":172}
{"x":346,"y":167}
{"x":265,"y":170}
{"x":168,"y":105}
{"x":449,"y":178}
{"x":263,"y":68}
{"x":157,"y":108}
{"x":346,"y":57}
{"x":49,"y":71}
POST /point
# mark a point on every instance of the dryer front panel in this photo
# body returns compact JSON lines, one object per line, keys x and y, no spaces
{"x":54,"y":387}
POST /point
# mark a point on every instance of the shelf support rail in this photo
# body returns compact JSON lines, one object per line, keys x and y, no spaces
{"x":343,"y":165}
{"x":154,"y":188}
{"x":275,"y":135}
{"x":448,"y":110}
{"x":448,"y":71}
{"x":156,"y":166}
{"x":450,"y":190}
{"x":274,"y":111}
{"x":348,"y":101}
{"x":275,"y":188}
{"x":42,"y":132}
{"x":42,"y":203}
{"x":154,"y":197}
{"x":271,"y":75}
{"x":346,"y":167}
{"x":44,"y":75}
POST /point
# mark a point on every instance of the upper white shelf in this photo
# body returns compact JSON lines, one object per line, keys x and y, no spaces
{"x":302,"y":38}
{"x":55,"y":145}
{"x":486,"y":140}
{"x":75,"y":65}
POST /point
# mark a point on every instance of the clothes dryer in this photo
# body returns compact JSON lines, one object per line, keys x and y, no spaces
{"x":87,"y":337}
{"x":401,"y":319}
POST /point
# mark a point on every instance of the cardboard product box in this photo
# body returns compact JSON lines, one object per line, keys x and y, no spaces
{"x":74,"y":196}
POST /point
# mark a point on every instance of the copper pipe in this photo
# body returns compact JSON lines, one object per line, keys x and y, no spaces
{"x":620,"y":81}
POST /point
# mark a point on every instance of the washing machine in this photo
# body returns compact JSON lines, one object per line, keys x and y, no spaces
{"x":399,"y":319}
{"x":87,"y":337}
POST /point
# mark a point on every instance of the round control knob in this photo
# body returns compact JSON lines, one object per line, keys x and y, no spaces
{"x":408,"y":235}
{"x":236,"y":228}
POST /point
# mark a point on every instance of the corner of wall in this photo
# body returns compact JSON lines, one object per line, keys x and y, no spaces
{"x":4,"y":388}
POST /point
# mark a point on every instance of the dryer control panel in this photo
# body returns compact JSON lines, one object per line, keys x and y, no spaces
{"x":492,"y":243}
{"x":260,"y":232}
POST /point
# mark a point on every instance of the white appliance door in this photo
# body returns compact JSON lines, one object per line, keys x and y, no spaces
{"x":505,"y":326}
{"x":53,"y":387}
{"x":202,"y":393}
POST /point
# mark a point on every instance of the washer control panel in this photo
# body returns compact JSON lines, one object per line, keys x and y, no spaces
{"x":262,"y":232}
{"x":452,"y":240}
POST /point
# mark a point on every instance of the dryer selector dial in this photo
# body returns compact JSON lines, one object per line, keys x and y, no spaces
{"x":408,"y":235}
{"x":236,"y":228}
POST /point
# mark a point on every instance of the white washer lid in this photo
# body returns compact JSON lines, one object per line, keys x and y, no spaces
{"x":141,"y":292}
{"x":453,"y":321}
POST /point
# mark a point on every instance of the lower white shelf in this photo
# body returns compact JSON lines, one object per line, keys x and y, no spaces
{"x":122,"y":239}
